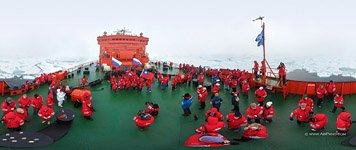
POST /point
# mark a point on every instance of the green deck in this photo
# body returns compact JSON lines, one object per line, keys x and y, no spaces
{"x":113,"y":126}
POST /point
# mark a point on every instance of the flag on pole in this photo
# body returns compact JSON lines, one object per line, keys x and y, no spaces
{"x":116,"y":62}
{"x":137,"y":62}
{"x":147,"y":75}
{"x":260,"y":39}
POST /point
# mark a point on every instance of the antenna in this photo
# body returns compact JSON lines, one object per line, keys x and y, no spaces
{"x":259,"y":18}
{"x":122,"y":31}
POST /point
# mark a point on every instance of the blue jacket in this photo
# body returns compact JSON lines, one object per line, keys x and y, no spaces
{"x":233,"y":100}
{"x":217,"y":100}
{"x":186,"y":103}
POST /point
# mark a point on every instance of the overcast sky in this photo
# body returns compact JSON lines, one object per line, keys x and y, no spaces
{"x":46,"y":28}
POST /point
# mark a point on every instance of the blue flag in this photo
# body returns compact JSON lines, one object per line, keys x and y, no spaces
{"x":260,"y":39}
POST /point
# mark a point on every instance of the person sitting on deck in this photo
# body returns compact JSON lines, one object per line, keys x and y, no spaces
{"x":253,"y":131}
{"x":213,"y":126}
{"x":343,"y":123}
{"x":318,"y":122}
{"x":152,"y":108}
{"x":186,"y":102}
{"x":22,"y":113}
{"x":143,"y":120}
{"x":46,"y":113}
{"x":8,"y":105}
{"x":338,"y":103}
{"x":305,"y":99}
{"x":302,"y":112}
{"x":213,"y":112}
{"x":235,"y":120}
{"x":12,"y":121}
{"x":268,"y":112}
{"x":261,"y":94}
{"x":254,"y":112}
{"x":320,"y":93}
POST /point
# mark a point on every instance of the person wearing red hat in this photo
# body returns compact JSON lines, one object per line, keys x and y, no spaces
{"x":37,"y":102}
{"x":235,"y":101}
{"x":12,"y":121}
{"x":235,"y":120}
{"x":338,"y":103}
{"x":254,"y":112}
{"x":302,"y":112}
{"x":318,"y":122}
{"x":261,"y":94}
{"x":46,"y":113}
{"x":8,"y":105}
{"x":343,"y":123}
{"x":213,"y":112}
{"x":213,"y":126}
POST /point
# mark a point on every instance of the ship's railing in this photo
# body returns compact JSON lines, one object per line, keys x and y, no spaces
{"x":80,"y":66}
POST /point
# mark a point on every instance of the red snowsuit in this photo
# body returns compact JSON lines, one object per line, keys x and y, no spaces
{"x":215,"y":89}
{"x":253,"y":113}
{"x":12,"y":121}
{"x":201,"y":78}
{"x":37,"y":102}
{"x":268,"y":113}
{"x":260,"y":95}
{"x":302,"y":115}
{"x":343,"y":122}
{"x":320,"y":120}
{"x":46,"y":112}
{"x":245,"y":87}
{"x":234,"y":122}
{"x":338,"y":101}
{"x":309,"y":102}
{"x":320,"y":92}
{"x":233,"y":83}
{"x":202,"y":95}
{"x":23,"y":115}
{"x":256,"y":133}
{"x":8,"y":108}
{"x":213,"y":112}
{"x":213,"y":126}
{"x":49,"y":100}
{"x":24,"y":103}
{"x":331,"y":88}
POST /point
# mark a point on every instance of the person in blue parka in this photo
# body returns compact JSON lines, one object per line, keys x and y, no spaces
{"x":186,"y":102}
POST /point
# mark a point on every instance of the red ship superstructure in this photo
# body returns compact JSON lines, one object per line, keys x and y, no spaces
{"x":122,"y":46}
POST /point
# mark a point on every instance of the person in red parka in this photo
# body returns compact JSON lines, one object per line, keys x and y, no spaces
{"x":338,"y":103}
{"x":148,"y":85}
{"x":233,"y":84}
{"x":302,"y":112}
{"x":253,"y":131}
{"x":254,"y":112}
{"x":343,"y":123}
{"x":213,"y":126}
{"x":255,"y":69}
{"x":215,"y":90}
{"x":318,"y":122}
{"x":46,"y":113}
{"x":202,"y":95}
{"x":36,"y":103}
{"x":49,"y":100}
{"x":282,"y":73}
{"x":331,"y":89}
{"x":235,"y":120}
{"x":24,"y":102}
{"x":22,"y":113}
{"x":201,"y":79}
{"x":245,"y":88}
{"x":305,"y":99}
{"x":8,"y":105}
{"x":84,"y":81}
{"x":143,"y":120}
{"x":87,"y":110}
{"x":320,"y":93}
{"x":268,"y":112}
{"x":12,"y":121}
{"x":213,"y":112}
{"x":261,"y":94}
